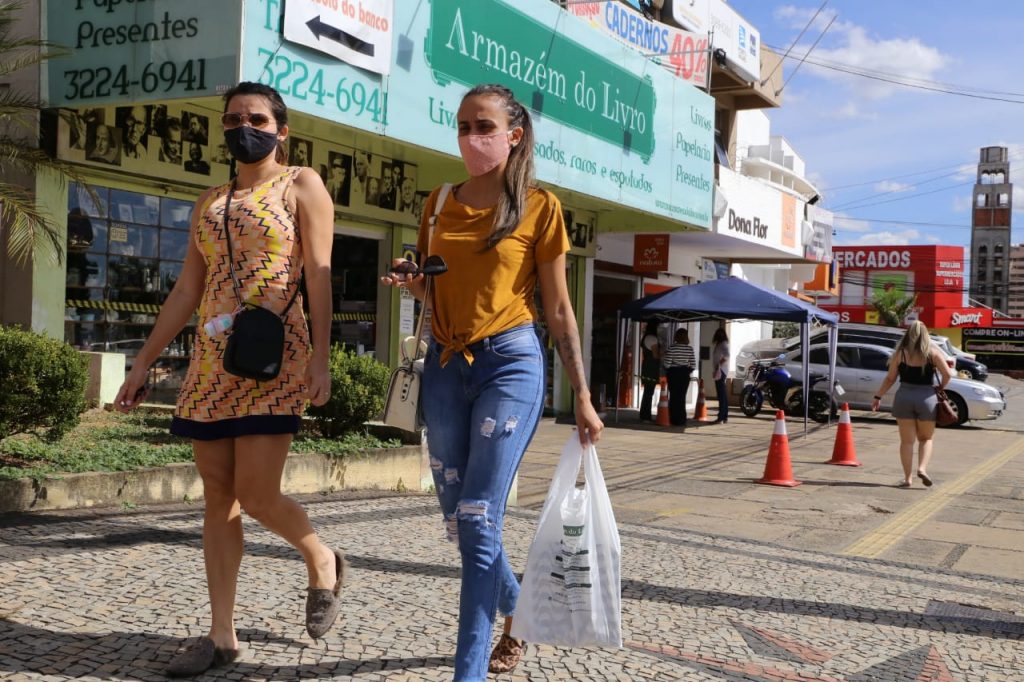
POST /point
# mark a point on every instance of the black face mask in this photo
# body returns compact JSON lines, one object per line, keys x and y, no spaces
{"x":249,"y":145}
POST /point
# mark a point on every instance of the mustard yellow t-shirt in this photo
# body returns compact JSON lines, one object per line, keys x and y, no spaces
{"x":487,"y":291}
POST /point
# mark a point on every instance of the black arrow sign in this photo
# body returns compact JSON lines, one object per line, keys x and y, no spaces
{"x":320,"y":29}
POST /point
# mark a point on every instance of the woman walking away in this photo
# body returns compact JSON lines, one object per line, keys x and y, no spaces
{"x":720,"y":361}
{"x":483,"y":380}
{"x":650,"y":368}
{"x":250,"y":243}
{"x":915,"y":362}
{"x":679,"y":361}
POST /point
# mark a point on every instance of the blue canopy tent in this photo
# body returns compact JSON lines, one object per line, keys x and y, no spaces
{"x":732,"y":298}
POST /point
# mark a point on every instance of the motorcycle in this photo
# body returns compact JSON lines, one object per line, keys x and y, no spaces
{"x":770,"y":379}
{"x":765,"y":379}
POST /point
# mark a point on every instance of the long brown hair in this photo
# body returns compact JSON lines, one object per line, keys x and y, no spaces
{"x":519,"y":170}
{"x":277,"y":108}
{"x":916,"y":342}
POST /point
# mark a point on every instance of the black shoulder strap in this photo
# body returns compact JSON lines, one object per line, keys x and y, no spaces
{"x":231,"y":258}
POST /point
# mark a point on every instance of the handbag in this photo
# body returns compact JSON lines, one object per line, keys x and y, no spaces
{"x":402,"y":404}
{"x":946,"y":414}
{"x":571,"y":593}
{"x":255,"y":343}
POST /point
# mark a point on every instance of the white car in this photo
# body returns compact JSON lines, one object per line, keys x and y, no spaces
{"x":849,"y":332}
{"x":861,"y":367}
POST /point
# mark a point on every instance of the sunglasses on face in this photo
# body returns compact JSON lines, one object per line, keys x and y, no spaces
{"x":231,"y":119}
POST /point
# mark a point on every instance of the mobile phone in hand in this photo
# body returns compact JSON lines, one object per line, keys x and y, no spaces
{"x":407,"y":268}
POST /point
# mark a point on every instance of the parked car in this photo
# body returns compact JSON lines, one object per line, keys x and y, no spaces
{"x":861,"y":367}
{"x":967,"y":365}
{"x":848,"y":332}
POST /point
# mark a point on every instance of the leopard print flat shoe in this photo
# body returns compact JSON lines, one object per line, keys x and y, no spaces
{"x":506,"y":655}
{"x":199,"y":658}
{"x":322,"y":605}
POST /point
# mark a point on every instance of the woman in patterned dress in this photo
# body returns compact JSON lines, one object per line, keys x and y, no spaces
{"x":281,"y":224}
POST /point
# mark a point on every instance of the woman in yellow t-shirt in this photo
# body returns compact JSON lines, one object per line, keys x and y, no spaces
{"x":483,"y":380}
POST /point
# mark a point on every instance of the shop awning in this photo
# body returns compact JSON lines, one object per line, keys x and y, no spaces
{"x":733,"y":298}
{"x":730,"y":298}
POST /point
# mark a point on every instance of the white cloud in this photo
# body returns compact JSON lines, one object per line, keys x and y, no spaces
{"x":893,"y":58}
{"x":961,"y":203}
{"x":932,"y":239}
{"x":891,"y":187}
{"x":815,"y":178}
{"x":883,"y":238}
{"x":849,"y":112}
{"x":844,"y":223}
{"x":797,"y":17}
{"x":966,"y":172}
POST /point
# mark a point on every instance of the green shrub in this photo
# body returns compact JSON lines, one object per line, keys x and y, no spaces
{"x":43,"y":385}
{"x":358,"y":384}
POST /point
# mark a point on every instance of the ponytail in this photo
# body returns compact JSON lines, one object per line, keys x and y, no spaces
{"x":519,"y":169}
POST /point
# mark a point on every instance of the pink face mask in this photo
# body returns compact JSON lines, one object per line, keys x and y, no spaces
{"x":484,"y":153}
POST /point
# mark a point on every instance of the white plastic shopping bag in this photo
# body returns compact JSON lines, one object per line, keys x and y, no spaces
{"x":571,"y":593}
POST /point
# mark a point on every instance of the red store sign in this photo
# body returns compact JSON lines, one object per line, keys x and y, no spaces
{"x":650,"y":252}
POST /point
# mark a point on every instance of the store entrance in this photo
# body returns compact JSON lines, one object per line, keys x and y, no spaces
{"x":610,"y":294}
{"x":354,"y":292}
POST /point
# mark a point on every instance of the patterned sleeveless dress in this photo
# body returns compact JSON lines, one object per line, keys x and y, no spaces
{"x":265,"y":239}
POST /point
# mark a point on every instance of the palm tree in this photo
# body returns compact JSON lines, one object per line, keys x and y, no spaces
{"x":893,"y":306}
{"x":23,"y":226}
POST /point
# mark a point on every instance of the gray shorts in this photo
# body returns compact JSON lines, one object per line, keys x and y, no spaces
{"x":915,"y":402}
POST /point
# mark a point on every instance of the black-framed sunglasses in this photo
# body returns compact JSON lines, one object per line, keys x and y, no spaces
{"x":231,"y":119}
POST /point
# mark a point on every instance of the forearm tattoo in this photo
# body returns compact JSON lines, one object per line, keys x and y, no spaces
{"x":571,"y":353}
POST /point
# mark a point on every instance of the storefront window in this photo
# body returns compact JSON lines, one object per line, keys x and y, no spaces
{"x":125,"y":252}
{"x":354,"y":290}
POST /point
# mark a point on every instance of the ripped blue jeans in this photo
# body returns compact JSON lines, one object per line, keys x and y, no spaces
{"x":480,"y":419}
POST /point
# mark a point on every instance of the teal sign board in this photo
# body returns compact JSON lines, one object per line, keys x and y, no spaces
{"x":567,"y":82}
{"x":310,"y":81}
{"x":122,"y":52}
{"x":609,"y":123}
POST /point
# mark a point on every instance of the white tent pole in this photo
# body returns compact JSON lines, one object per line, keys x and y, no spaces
{"x":805,"y":342}
{"x":618,"y":360}
{"x":833,"y":345}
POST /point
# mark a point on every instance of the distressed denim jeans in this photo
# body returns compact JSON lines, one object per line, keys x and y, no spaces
{"x":480,"y":419}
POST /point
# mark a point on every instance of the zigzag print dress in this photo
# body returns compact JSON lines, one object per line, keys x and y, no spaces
{"x":213,"y":404}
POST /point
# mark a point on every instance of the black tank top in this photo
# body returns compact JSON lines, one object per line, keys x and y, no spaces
{"x":918,"y":376}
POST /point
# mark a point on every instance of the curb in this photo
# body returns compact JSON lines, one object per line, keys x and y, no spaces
{"x":403,"y":468}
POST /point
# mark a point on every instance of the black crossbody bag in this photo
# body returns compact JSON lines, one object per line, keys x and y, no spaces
{"x":255,"y":344}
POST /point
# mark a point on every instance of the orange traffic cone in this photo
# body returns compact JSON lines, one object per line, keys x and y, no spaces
{"x":843,"y":452}
{"x":777,"y":469}
{"x":663,"y":419}
{"x":700,"y":412}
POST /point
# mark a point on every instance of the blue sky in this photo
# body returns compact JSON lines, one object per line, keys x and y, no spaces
{"x":852,"y":130}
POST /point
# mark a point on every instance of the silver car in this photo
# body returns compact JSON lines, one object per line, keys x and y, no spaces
{"x":849,"y":332}
{"x":861,"y":368}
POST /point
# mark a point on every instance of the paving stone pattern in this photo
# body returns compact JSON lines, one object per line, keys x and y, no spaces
{"x":111,"y":596}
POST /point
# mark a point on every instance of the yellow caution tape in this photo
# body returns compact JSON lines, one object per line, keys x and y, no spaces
{"x":153,"y":308}
{"x":114,"y":305}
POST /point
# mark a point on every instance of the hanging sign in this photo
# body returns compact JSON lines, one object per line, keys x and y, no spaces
{"x":683,"y":53}
{"x":650,"y":252}
{"x":596,"y":104}
{"x":137,"y":52}
{"x":354,"y":31}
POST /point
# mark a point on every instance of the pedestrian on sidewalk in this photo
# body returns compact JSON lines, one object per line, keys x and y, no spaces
{"x":916,"y":363}
{"x":249,"y":245}
{"x":483,"y":379}
{"x":650,"y":368}
{"x":679,"y":362}
{"x":720,"y":362}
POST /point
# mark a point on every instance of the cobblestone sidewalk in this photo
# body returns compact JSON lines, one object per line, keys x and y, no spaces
{"x":110,"y":596}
